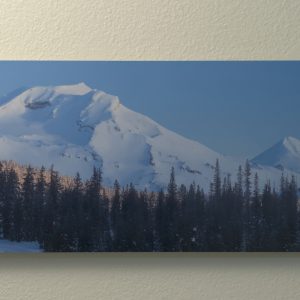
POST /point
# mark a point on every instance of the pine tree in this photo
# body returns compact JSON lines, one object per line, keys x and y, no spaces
{"x":288,"y":215}
{"x":229,"y":218}
{"x":215,"y":218}
{"x":247,"y":178}
{"x":200,"y":213}
{"x":171,"y":241}
{"x":149,"y":213}
{"x":192,"y":210}
{"x":217,"y":182}
{"x":93,"y":229}
{"x":239,"y":184}
{"x":28,"y":192}
{"x":51,"y":217}
{"x":130,"y":230}
{"x":106,"y":239}
{"x":255,"y":221}
{"x":71,"y":209}
{"x":39,"y":203}
{"x":160,"y":223}
{"x":185,"y":218}
{"x":116,"y":221}
{"x":239,"y":202}
{"x":2,"y":197}
{"x":13,"y":208}
{"x":66,"y":228}
{"x":246,"y":212}
{"x":269,"y":220}
{"x":145,"y":221}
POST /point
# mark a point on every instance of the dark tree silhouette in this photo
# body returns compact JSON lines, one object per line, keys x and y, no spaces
{"x":83,"y":216}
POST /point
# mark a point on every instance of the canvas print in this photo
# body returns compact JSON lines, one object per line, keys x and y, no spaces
{"x":149,"y":156}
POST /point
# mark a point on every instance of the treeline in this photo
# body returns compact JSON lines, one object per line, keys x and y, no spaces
{"x":233,"y":216}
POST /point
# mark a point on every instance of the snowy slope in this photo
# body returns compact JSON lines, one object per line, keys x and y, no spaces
{"x":284,"y":155}
{"x":75,"y":128}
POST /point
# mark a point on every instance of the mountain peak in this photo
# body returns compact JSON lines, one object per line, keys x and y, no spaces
{"x":73,"y":89}
{"x":285,"y":155}
{"x":290,"y":140}
{"x":292,"y":145}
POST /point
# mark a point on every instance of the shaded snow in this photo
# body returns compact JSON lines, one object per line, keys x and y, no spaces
{"x":15,"y":247}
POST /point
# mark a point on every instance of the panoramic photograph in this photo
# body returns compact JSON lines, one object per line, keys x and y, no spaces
{"x":149,"y":156}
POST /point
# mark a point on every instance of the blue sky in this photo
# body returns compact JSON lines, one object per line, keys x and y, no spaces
{"x":236,"y":108}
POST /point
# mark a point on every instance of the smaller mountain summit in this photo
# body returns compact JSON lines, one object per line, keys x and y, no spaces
{"x":283,"y":155}
{"x":292,"y":144}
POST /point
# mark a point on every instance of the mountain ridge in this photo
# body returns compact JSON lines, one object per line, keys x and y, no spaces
{"x":75,"y":128}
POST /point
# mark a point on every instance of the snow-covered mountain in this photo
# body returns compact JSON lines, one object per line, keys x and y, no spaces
{"x":283,"y":155}
{"x":76,"y":127}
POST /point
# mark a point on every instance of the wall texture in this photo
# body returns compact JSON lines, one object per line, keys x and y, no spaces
{"x":149,"y":30}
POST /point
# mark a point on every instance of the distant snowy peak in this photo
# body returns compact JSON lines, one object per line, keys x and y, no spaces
{"x":292,"y":145}
{"x":283,"y":155}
